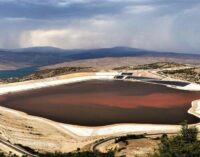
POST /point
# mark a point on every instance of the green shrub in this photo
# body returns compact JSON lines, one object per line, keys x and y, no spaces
{"x":79,"y":154}
{"x":183,"y":145}
{"x":129,"y":137}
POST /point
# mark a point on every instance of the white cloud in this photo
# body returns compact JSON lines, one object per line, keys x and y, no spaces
{"x":68,"y":2}
{"x":138,"y":9}
{"x":157,"y":33}
{"x":95,"y":33}
{"x":14,"y":19}
{"x":67,"y":38}
{"x":92,"y":33}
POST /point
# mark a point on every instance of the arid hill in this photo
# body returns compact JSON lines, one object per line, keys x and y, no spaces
{"x":106,"y":57}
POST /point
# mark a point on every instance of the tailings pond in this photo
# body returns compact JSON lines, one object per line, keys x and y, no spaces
{"x":95,"y":103}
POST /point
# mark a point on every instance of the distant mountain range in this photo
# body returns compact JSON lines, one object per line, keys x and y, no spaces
{"x":41,"y":56}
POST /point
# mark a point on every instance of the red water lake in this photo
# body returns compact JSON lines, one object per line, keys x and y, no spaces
{"x":96,"y":103}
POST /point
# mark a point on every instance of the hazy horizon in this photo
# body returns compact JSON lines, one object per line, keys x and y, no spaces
{"x":51,"y":47}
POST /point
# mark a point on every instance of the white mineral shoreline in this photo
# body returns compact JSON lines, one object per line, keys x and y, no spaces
{"x":54,"y":81}
{"x":103,"y":130}
{"x":190,"y":87}
{"x":195,"y":109}
{"x":121,"y":129}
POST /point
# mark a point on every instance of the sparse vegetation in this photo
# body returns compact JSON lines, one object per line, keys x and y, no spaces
{"x":28,"y":149}
{"x":75,"y":154}
{"x":129,"y":137}
{"x":157,"y":65}
{"x":183,"y":145}
{"x":2,"y":155}
{"x":191,"y":74}
{"x":48,"y":73}
{"x":79,"y":154}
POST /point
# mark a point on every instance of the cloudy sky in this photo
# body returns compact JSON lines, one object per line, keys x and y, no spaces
{"x":164,"y":25}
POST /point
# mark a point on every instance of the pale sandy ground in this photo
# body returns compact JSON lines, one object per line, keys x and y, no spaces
{"x":134,"y":147}
{"x":37,"y":133}
{"x":45,"y":135}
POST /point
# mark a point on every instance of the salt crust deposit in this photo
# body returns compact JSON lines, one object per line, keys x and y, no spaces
{"x":195,"y":109}
{"x":198,"y":108}
{"x":190,"y":87}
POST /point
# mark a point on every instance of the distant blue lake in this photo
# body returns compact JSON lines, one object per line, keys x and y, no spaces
{"x":17,"y":73}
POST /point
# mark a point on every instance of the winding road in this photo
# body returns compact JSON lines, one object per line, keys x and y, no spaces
{"x":95,"y":145}
{"x":16,"y":148}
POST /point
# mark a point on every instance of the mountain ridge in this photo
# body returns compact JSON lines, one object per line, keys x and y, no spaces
{"x":50,"y":49}
{"x":43,"y":56}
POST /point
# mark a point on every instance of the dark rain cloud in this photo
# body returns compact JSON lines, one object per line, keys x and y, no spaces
{"x":61,"y":9}
{"x":57,"y":10}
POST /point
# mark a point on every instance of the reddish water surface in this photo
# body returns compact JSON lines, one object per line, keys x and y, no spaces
{"x":106,"y":102}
